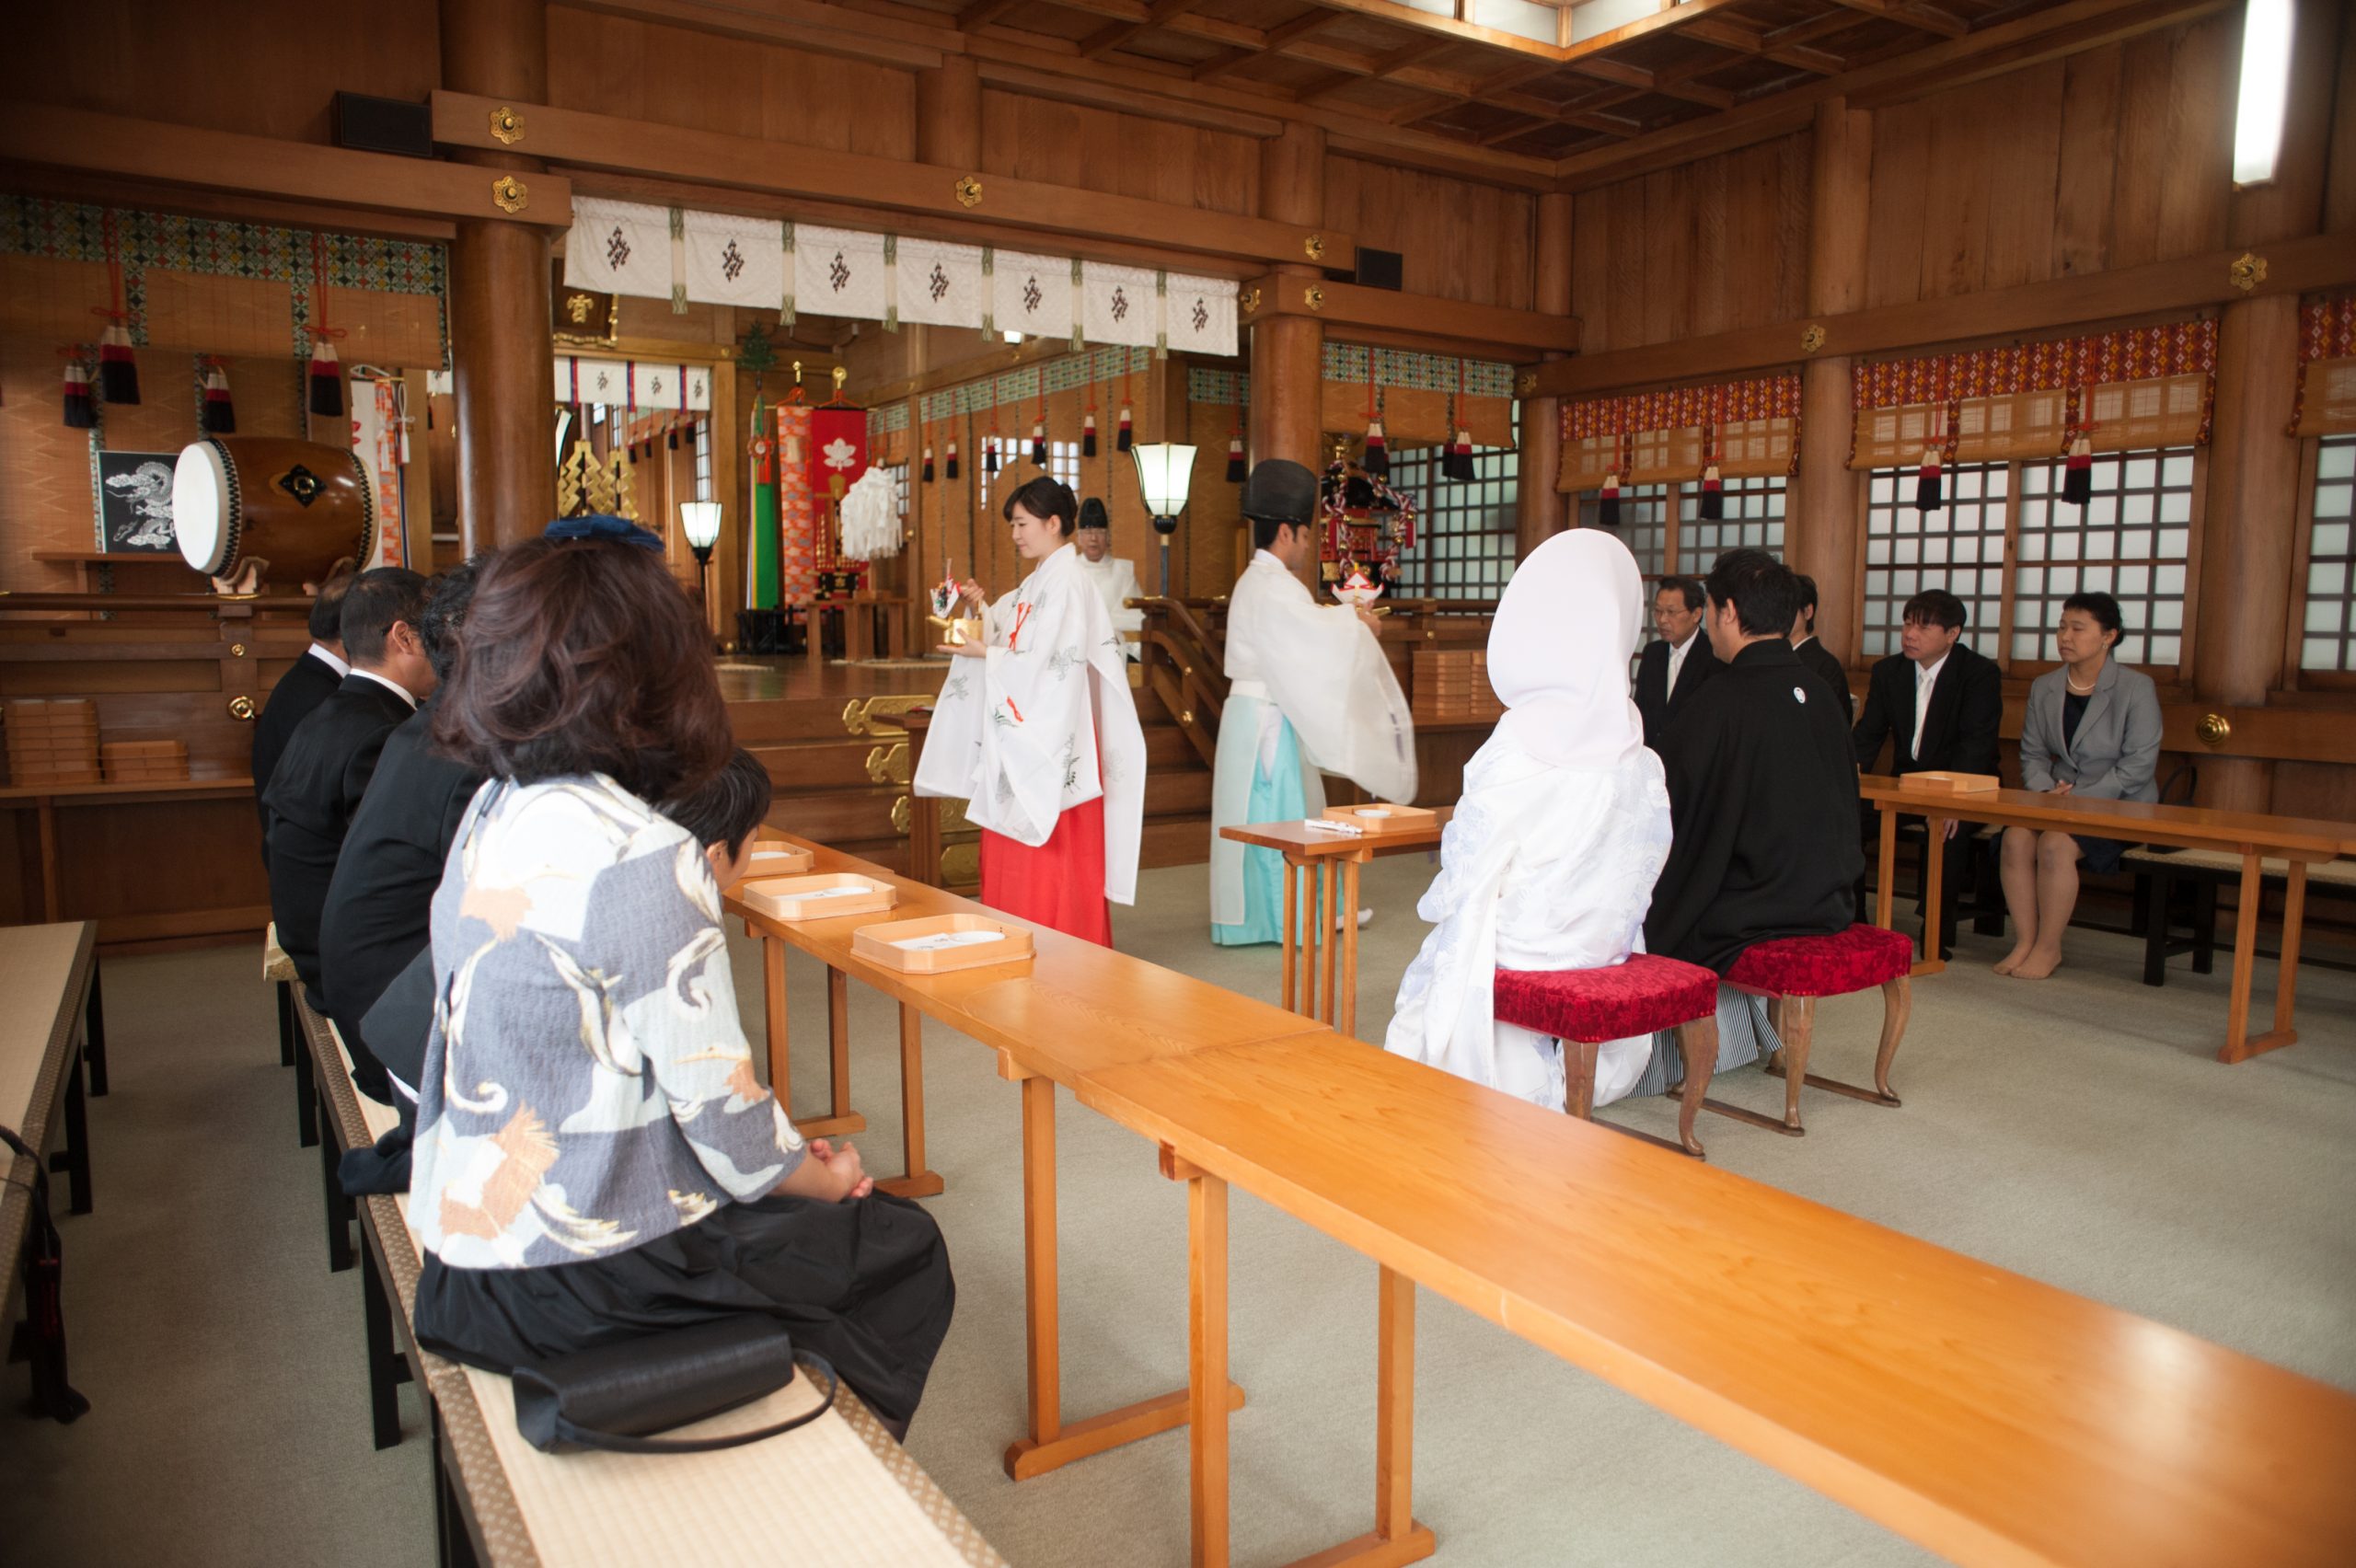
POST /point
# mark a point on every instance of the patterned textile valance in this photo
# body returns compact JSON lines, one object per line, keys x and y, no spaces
{"x":1751,"y":427}
{"x":1413,"y":392}
{"x":2327,"y":396}
{"x":2141,"y":387}
{"x":724,"y":258}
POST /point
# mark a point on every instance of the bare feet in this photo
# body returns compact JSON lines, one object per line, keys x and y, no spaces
{"x":2011,"y":961}
{"x":2037,"y":965}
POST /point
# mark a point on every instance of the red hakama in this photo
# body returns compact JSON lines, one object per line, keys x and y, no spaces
{"x":1061,"y":883}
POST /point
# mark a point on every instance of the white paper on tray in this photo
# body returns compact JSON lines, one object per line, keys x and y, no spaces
{"x":859,"y":891}
{"x":940,"y":939}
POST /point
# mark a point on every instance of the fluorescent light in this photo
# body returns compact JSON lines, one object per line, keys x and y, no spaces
{"x":1012,"y":337}
{"x":2265,"y":90}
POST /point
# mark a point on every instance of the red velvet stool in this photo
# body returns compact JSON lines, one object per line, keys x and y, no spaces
{"x":1792,"y":972}
{"x":1584,"y":1008}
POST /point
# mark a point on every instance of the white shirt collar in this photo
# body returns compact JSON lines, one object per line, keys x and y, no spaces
{"x":389,"y":684}
{"x":342,"y":667}
{"x":1803,"y":642}
{"x":1270,"y":557}
{"x":1925,"y":674}
{"x":1681,"y":649}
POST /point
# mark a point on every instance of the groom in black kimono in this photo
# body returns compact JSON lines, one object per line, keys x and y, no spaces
{"x":1762,"y":786}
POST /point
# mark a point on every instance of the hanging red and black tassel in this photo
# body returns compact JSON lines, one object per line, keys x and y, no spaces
{"x":81,"y":407}
{"x":1377,"y":460}
{"x":1039,"y":441}
{"x":118,"y":368}
{"x":671,"y":435}
{"x":1458,"y":463}
{"x":927,"y":462}
{"x":1712,"y":505}
{"x":1236,"y":471}
{"x":1930,"y":493}
{"x":220,"y":416}
{"x":1087,"y":434}
{"x":2078,"y":465}
{"x":951,"y":471}
{"x":1121,"y":437}
{"x":990,"y":454}
{"x":1607,"y":511}
{"x":326,"y":372}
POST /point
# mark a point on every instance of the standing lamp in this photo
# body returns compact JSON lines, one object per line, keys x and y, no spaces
{"x":699,"y":520}
{"x":1164,"y":470}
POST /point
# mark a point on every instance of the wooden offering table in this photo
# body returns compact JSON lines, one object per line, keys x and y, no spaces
{"x":1332,"y":861}
{"x":1990,"y":1418}
{"x":2252,"y":835}
{"x":1074,"y":1008}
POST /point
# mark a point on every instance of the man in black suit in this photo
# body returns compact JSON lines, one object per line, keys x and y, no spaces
{"x":1674,"y":667}
{"x":328,"y":761}
{"x":1821,"y":661}
{"x":379,"y":903}
{"x":1938,"y":703}
{"x":306,"y":683}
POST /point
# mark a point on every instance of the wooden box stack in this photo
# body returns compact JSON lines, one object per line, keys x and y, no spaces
{"x":1452,"y":685}
{"x":145,"y":762}
{"x":52,"y":741}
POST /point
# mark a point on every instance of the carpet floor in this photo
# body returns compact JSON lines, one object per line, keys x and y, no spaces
{"x":2076,"y":1130}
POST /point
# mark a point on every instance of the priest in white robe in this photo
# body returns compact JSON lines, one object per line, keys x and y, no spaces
{"x":1036,"y":730}
{"x":1549,"y":859}
{"x":1309,"y":689}
{"x":1115,"y":578}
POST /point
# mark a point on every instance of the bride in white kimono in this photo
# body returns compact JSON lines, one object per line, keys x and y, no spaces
{"x":1550,"y":861}
{"x":1036,"y":730}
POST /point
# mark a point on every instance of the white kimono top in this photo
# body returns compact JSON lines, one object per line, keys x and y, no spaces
{"x":1043,"y":720}
{"x":1115,"y":581}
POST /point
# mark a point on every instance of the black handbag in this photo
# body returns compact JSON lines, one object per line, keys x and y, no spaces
{"x":612,"y":1397}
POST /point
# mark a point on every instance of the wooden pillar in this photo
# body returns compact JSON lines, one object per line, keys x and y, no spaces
{"x":1539,"y":506}
{"x":1288,"y":352}
{"x":498,"y":293}
{"x":2251,"y":504}
{"x":1824,"y":509}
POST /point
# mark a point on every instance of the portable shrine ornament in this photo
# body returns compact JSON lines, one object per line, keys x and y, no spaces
{"x":1359,"y":590}
{"x":1366,"y":524}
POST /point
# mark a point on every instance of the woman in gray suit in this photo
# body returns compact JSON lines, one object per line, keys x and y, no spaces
{"x":2092,"y":728}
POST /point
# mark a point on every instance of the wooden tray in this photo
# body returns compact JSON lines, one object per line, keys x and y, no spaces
{"x":1948,"y":783}
{"x":1402,"y":819}
{"x":879,"y":945}
{"x":772,"y":857}
{"x":786,"y":898}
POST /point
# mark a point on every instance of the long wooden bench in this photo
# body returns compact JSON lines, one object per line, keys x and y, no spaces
{"x":839,"y":1493}
{"x":1982,"y":1414}
{"x":2159,"y":872}
{"x":51,"y":1035}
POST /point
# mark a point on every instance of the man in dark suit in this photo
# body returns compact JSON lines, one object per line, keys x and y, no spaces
{"x":379,"y":903}
{"x":1821,"y":661}
{"x":1938,"y":703}
{"x":329,"y":761}
{"x":306,"y":683}
{"x":1674,"y":667}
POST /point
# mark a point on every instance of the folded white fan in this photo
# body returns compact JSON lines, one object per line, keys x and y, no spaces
{"x":871,"y":517}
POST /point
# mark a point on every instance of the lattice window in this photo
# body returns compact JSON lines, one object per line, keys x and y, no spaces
{"x":1465,"y":530}
{"x":1063,"y":463}
{"x":2132,"y":540}
{"x":2328,"y":638}
{"x":703,"y":459}
{"x":1754,"y":519}
{"x":1960,"y":548}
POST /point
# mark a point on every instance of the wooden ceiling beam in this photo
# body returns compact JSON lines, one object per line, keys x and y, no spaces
{"x":1926,"y":18}
{"x":1344,"y":305}
{"x":1566,"y":114}
{"x":1620,"y":73}
{"x":1273,"y":43}
{"x":1786,"y":46}
{"x":1160,"y":14}
{"x":981,"y":13}
{"x":1392,"y":64}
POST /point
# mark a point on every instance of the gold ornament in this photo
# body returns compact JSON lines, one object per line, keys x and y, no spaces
{"x":969,"y":192}
{"x":507,"y":125}
{"x":583,"y":486}
{"x":1250,"y":301}
{"x":1526,"y":383}
{"x":2249,"y":273}
{"x":2213,"y":729}
{"x":1313,"y":297}
{"x":1812,"y":340}
{"x":1315,"y":247}
{"x":236,"y":651}
{"x":511,"y":194}
{"x":242,"y":707}
{"x":625,"y":480}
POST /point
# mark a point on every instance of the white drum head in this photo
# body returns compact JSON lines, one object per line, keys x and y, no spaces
{"x":204,"y":510}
